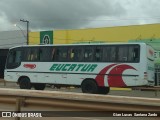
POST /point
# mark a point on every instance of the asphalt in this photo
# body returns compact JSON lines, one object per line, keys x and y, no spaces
{"x":113,"y":91}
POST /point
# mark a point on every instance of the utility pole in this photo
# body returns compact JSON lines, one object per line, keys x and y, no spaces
{"x":22,"y":20}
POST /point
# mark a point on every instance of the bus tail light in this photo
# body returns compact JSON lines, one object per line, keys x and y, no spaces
{"x":145,"y":75}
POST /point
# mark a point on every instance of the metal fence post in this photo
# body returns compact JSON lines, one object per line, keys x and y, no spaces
{"x":19,"y":103}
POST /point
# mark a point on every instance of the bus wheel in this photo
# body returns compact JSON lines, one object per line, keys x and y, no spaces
{"x":24,"y":83}
{"x":39,"y":86}
{"x":89,"y":86}
{"x":103,"y":90}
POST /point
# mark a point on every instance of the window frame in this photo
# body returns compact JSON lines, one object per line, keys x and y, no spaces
{"x":129,"y":46}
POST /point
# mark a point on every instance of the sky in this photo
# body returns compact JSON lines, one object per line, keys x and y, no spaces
{"x":76,"y":14}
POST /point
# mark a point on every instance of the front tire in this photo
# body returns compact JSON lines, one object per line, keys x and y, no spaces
{"x":24,"y":83}
{"x":89,"y":86}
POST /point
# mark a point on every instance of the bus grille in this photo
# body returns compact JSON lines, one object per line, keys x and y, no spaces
{"x":157,"y":77}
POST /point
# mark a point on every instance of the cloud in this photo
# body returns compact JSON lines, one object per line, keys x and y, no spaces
{"x":5,"y":24}
{"x":75,"y":14}
{"x":58,"y":14}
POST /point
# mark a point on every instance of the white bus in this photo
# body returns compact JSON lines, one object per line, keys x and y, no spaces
{"x":93,"y":67}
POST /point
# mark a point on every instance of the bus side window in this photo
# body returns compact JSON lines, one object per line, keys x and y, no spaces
{"x":133,"y":54}
{"x":136,"y":54}
{"x":35,"y":55}
{"x":98,"y":54}
{"x":75,"y":54}
{"x":88,"y":54}
{"x":27,"y":54}
{"x":78,"y":54}
{"x":122,"y":53}
{"x":45,"y":54}
{"x":32,"y":54}
{"x":53,"y":54}
{"x":109,"y":54}
{"x":71,"y":54}
{"x":112,"y":54}
{"x":61,"y":54}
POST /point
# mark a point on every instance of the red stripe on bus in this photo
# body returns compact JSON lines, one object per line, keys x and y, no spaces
{"x":100,"y":76}
{"x":117,"y":81}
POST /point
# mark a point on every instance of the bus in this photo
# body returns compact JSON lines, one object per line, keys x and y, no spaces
{"x":93,"y":67}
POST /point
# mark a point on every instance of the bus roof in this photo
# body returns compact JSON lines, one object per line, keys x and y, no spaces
{"x":79,"y":44}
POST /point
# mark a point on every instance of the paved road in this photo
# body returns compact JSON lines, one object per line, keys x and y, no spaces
{"x":119,"y":92}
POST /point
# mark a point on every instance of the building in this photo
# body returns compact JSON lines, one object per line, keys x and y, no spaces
{"x":136,"y":33}
{"x":9,"y":39}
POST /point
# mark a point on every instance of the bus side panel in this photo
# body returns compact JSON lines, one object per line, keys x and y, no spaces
{"x":10,"y":76}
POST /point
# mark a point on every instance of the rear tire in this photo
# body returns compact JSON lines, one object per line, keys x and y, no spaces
{"x":89,"y":86}
{"x":24,"y":83}
{"x":39,"y":86}
{"x":103,"y":90}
